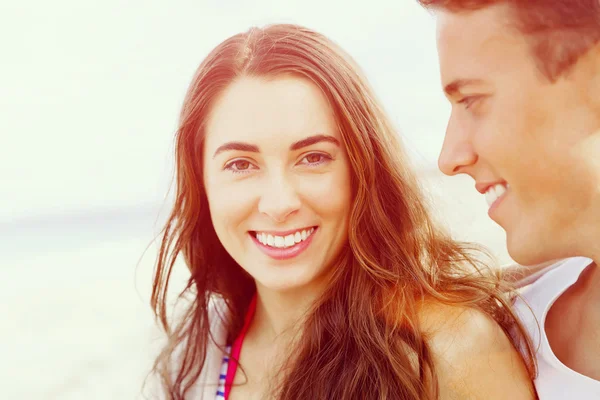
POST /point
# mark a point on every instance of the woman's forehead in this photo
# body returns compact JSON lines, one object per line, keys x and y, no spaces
{"x":256,"y":110}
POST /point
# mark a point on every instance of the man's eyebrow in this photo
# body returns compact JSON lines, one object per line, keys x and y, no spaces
{"x":455,"y":86}
{"x":240,"y":146}
{"x":313,"y":140}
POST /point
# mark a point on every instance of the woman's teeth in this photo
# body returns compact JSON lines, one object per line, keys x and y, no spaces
{"x":494,"y":193}
{"x":284,"y":241}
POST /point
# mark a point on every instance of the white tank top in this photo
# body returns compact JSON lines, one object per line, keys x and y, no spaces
{"x":555,"y":380}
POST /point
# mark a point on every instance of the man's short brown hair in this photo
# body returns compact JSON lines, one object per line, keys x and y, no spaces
{"x":560,"y":31}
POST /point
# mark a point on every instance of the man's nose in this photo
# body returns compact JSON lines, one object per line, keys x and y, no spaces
{"x":457,"y":151}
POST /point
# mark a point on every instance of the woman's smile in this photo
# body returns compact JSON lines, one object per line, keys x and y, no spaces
{"x":284,"y":245}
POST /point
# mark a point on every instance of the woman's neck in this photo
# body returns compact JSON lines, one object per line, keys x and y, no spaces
{"x":278,"y":314}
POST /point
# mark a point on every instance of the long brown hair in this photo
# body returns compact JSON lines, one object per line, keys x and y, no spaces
{"x":363,"y":334}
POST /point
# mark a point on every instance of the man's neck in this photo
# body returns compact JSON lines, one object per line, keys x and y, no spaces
{"x":587,"y":240}
{"x":590,"y":288}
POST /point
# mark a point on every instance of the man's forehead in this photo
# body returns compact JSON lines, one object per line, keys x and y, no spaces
{"x":499,"y":16}
{"x":472,"y":29}
{"x":473,"y":44}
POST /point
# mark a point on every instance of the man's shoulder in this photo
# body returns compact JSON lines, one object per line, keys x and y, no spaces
{"x":522,"y":276}
{"x":534,"y":299}
{"x":553,"y":272}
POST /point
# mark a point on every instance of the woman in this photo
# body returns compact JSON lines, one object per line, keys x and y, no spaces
{"x":315,"y":266}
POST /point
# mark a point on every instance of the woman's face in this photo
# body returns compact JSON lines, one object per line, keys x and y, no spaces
{"x":277,"y":179}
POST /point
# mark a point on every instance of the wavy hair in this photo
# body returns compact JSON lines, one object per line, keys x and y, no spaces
{"x":364,"y":330}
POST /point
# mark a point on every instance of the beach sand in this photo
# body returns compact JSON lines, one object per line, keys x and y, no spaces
{"x":77,"y":324}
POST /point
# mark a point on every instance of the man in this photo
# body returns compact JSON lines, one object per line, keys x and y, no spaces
{"x":523,"y":79}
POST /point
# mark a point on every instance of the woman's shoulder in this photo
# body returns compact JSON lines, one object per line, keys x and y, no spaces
{"x":459,"y":329}
{"x":473,"y":355}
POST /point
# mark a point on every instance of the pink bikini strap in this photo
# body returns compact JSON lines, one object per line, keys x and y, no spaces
{"x":237,"y":348}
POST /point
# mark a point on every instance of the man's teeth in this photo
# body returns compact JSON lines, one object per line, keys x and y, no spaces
{"x":494,"y":193}
{"x":284,"y":241}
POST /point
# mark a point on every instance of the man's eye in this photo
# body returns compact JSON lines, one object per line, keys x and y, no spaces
{"x":468,"y":101}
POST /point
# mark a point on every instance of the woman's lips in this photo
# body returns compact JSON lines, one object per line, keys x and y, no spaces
{"x":279,"y":251}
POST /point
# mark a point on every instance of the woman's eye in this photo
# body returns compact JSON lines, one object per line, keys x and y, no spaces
{"x":239,"y":166}
{"x":315,"y":159}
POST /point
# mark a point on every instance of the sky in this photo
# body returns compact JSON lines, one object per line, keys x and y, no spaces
{"x":90,"y":91}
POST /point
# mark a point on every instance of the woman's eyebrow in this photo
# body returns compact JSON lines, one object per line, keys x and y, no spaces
{"x":242,"y":146}
{"x":312,"y":140}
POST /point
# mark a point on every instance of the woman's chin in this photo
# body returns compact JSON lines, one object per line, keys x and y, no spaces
{"x":287,"y":284}
{"x":281,"y":286}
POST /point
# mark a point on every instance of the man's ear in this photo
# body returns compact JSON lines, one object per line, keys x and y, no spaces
{"x":521,"y":275}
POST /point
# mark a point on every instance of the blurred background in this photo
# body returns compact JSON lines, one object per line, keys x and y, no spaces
{"x":90,"y":94}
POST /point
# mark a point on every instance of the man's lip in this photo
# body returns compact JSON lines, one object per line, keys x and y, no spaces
{"x":484,"y":186}
{"x":285,"y":233}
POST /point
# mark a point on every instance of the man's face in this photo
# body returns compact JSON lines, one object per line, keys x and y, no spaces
{"x":523,"y":139}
